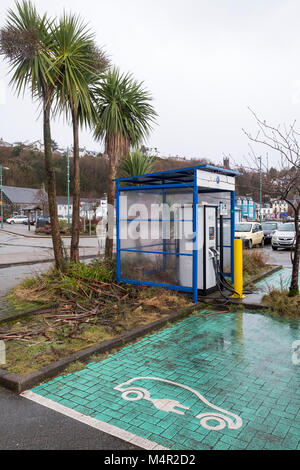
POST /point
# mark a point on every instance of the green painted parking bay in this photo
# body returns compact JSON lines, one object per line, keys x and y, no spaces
{"x":211,"y":381}
{"x":280,"y":280}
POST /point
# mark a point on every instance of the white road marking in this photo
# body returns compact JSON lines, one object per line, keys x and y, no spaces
{"x":169,"y":405}
{"x":94,"y":423}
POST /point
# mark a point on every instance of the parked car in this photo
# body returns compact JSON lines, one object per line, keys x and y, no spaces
{"x":269,"y":229}
{"x":251,"y":233}
{"x":284,"y":236}
{"x":32,"y":221}
{"x":17,"y":219}
{"x":43,"y":225}
{"x":42,"y":221}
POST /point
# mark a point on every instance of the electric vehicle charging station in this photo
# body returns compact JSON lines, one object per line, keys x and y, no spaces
{"x":175,"y":229}
{"x":207,"y":240}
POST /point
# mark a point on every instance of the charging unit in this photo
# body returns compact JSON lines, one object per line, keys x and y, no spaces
{"x":207,"y":239}
{"x":198,"y":260}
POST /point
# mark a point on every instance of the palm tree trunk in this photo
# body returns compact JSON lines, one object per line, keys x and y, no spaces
{"x":294,"y":287}
{"x":116,"y":147}
{"x":51,"y":187}
{"x":74,"y":254}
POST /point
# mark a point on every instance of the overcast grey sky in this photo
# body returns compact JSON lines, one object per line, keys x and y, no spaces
{"x":204,"y":61}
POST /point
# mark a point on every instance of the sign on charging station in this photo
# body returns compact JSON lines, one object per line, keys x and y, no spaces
{"x":209,"y":180}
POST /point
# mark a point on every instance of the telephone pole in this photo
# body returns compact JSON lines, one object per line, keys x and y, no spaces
{"x":2,"y":224}
{"x":1,"y":191}
{"x":260,"y":189}
{"x":68,"y":184}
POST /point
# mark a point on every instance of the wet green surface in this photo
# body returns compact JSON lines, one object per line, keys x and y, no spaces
{"x":240,"y":363}
{"x":279,"y":280}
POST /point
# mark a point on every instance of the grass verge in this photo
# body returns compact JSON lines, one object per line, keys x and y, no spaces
{"x":281,"y":304}
{"x":254,"y":264}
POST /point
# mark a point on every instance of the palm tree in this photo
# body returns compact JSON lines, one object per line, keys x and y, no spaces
{"x":26,"y":42}
{"x":78,"y":60}
{"x":137,"y":163}
{"x":124,"y":118}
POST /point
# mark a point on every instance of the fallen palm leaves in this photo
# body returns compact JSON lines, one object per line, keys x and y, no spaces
{"x":96,"y":307}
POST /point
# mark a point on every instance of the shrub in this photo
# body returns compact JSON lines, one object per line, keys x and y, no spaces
{"x":98,"y":270}
{"x":281,"y":304}
{"x":253,"y":262}
{"x":63,"y":224}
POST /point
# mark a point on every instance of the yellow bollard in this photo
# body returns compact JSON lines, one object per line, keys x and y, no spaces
{"x":238,"y":269}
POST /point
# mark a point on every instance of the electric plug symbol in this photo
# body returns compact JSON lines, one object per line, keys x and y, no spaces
{"x":165,"y":404}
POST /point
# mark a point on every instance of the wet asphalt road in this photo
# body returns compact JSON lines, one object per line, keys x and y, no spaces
{"x":25,"y":425}
{"x":17,"y":248}
{"x":280,"y":257}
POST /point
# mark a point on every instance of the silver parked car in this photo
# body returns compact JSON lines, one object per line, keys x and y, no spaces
{"x":17,"y":219}
{"x":284,"y":236}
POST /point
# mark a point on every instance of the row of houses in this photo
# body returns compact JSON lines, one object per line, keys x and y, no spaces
{"x":18,"y":200}
{"x":38,"y":146}
{"x":251,"y":210}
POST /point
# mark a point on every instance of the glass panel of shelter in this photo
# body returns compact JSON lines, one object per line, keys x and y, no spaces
{"x":149,"y":233}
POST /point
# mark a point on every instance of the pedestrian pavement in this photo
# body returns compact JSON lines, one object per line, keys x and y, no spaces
{"x":36,"y":256}
{"x":22,"y":230}
{"x":211,"y":381}
{"x":17,"y":250}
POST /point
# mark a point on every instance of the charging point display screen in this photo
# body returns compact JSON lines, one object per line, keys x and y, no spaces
{"x":211,"y":233}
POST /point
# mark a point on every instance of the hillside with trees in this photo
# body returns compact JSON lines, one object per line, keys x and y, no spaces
{"x":27,"y":170}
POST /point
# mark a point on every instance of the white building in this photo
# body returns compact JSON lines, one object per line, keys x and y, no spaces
{"x":83,"y":152}
{"x":37,"y":145}
{"x":266,"y":211}
{"x":87,"y":206}
{"x":5,"y":144}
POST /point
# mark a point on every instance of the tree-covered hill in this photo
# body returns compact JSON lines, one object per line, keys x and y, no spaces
{"x":27,"y":170}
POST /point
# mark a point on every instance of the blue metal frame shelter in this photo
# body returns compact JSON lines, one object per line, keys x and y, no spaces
{"x":173,"y":185}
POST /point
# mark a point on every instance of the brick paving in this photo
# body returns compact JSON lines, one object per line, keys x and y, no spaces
{"x":239,"y":362}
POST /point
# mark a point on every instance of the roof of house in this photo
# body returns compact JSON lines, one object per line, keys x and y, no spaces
{"x":3,"y":143}
{"x":35,"y":207}
{"x":21,"y":195}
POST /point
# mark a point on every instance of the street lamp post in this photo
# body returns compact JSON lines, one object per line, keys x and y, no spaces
{"x":260,"y":188}
{"x":1,"y":184}
{"x":68,"y":184}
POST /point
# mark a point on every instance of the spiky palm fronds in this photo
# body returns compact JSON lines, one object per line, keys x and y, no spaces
{"x":26,"y":43}
{"x":123,"y":106}
{"x":137,"y":163}
{"x":79,"y":62}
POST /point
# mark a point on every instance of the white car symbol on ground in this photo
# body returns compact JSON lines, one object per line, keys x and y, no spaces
{"x":221,"y":417}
